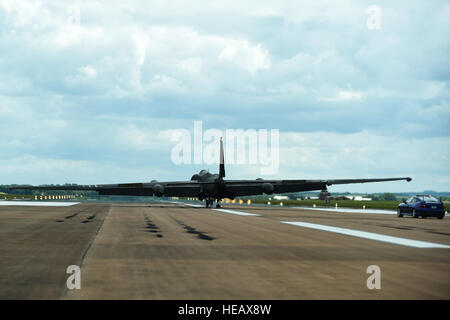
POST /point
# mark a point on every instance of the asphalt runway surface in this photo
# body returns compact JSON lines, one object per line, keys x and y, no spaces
{"x":174,"y":251}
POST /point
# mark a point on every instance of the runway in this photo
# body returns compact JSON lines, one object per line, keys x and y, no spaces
{"x":175,"y":251}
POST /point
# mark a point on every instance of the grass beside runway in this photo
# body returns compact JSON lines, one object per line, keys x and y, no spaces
{"x":16,"y":197}
{"x":386,"y":205}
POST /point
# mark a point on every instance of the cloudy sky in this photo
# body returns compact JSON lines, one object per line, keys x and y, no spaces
{"x":90,"y":90}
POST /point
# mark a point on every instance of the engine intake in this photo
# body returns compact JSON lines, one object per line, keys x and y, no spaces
{"x":268,"y":188}
{"x":158,"y":190}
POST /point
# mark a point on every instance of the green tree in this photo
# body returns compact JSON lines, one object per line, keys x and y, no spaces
{"x":389,"y":196}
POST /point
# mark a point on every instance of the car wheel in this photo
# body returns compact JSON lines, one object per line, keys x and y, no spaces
{"x":399,"y":213}
{"x":414,"y":213}
{"x":441,"y":216}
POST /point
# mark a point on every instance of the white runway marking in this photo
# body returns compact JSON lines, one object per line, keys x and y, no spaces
{"x":370,"y":235}
{"x":186,"y":204}
{"x":194,"y":205}
{"x":238,"y":212}
{"x":376,"y":211}
{"x":37,"y":203}
{"x":352,"y":210}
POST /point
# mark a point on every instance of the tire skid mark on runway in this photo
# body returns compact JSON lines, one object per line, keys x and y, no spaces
{"x":395,"y":227}
{"x":91,"y":217}
{"x":370,"y":235}
{"x":412,"y":228}
{"x":88,"y":219}
{"x":73,"y":215}
{"x":437,"y":232}
{"x":189,"y":229}
{"x":153,"y":227}
{"x":424,"y":229}
{"x":78,"y":212}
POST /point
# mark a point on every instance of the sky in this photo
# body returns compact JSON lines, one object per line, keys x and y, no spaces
{"x":91,"y":91}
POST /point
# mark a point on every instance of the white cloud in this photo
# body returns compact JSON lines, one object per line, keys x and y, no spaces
{"x":191,"y":66}
{"x":141,"y":140}
{"x":344,"y":95}
{"x":366,"y":155}
{"x":29,"y":169}
{"x":130,"y":70}
{"x":246,"y":56}
{"x":85,"y":75}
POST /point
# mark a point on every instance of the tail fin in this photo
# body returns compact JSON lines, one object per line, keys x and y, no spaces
{"x":222,"y":160}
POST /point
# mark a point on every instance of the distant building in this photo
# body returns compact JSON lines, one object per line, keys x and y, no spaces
{"x":278,"y":197}
{"x":345,"y":197}
{"x":358,"y":198}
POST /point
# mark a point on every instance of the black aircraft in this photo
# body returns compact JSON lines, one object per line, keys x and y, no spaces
{"x":209,"y":187}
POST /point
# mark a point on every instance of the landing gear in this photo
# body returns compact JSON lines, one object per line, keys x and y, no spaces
{"x":209,"y":203}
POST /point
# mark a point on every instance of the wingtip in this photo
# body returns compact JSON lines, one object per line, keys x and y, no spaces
{"x":408,"y":179}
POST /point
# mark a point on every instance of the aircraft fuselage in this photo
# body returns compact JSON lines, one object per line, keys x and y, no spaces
{"x":214,"y":187}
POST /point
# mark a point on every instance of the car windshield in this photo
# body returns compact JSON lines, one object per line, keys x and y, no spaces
{"x":428,"y":199}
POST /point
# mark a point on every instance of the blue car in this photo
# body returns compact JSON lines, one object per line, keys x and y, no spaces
{"x":421,"y":206}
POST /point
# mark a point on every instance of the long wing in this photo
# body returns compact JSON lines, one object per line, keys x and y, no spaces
{"x":255,"y":187}
{"x":216,"y":187}
{"x":193,"y":188}
{"x":170,"y":189}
